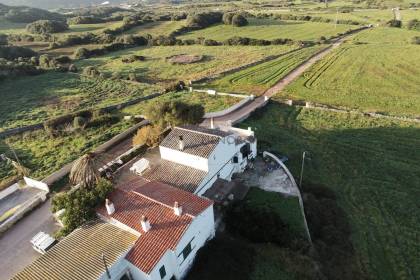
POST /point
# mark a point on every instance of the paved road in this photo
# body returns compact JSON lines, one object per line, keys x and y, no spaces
{"x":15,"y":250}
{"x":243,"y":112}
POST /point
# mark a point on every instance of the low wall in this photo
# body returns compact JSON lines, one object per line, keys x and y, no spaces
{"x":9,"y":190}
{"x":228,"y":110}
{"x":25,"y":208}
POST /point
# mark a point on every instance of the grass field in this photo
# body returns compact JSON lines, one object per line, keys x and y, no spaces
{"x":378,"y":70}
{"x":156,"y":28}
{"x":211,"y":103}
{"x":157,"y":69}
{"x":270,"y":29}
{"x":372,"y":166}
{"x":34,"y":99}
{"x":93,"y":28}
{"x":257,"y":79}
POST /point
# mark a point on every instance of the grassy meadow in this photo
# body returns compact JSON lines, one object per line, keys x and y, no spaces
{"x":37,"y":98}
{"x":372,"y":166}
{"x":257,"y":79}
{"x":156,"y":68}
{"x":270,"y":29}
{"x":156,"y":28}
{"x":377,"y":70}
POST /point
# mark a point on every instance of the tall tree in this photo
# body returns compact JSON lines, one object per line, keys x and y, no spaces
{"x":84,"y":171}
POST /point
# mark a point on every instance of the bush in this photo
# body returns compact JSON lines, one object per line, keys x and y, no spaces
{"x":394,"y":23}
{"x":203,"y":20}
{"x":413,"y":24}
{"x":239,"y":20}
{"x":133,"y":58}
{"x":72,"y":68}
{"x":14,"y":52}
{"x":90,"y":71}
{"x":147,"y":135}
{"x":416,"y":40}
{"x":81,"y":53}
{"x":132,"y":77}
{"x":101,"y":120}
{"x":80,"y":205}
{"x":79,"y":122}
{"x":84,"y":20}
{"x":46,"y":26}
{"x":227,"y":18}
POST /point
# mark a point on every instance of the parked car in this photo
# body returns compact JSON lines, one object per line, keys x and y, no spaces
{"x":42,"y":242}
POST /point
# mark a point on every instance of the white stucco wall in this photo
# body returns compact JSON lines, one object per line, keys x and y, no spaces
{"x":184,"y":158}
{"x":200,"y":230}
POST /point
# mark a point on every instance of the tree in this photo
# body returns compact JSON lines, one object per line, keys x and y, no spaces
{"x":239,"y":20}
{"x":413,"y":24}
{"x":46,"y":26}
{"x":148,"y":135}
{"x":227,"y":18}
{"x":84,"y":171}
{"x":173,"y":113}
{"x":80,"y":53}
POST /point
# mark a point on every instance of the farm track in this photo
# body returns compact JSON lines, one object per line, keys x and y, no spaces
{"x":242,"y":113}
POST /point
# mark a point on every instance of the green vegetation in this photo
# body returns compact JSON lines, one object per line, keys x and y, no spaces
{"x":286,"y":207}
{"x":375,"y":71}
{"x":34,"y":99}
{"x":156,"y":68}
{"x":257,"y":79}
{"x":270,"y":29}
{"x":157,"y":28}
{"x":371,"y":166}
{"x":211,"y":103}
{"x":46,"y":26}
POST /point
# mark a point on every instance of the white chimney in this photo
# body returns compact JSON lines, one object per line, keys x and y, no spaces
{"x":177,"y":209}
{"x":110,"y":209}
{"x":145,"y":224}
{"x":181,"y":143}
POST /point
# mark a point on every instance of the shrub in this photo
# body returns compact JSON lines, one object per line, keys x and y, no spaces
{"x":132,"y":77}
{"x":101,"y":120}
{"x":46,"y":26}
{"x":84,"y":20}
{"x":133,"y":58}
{"x":416,"y":40}
{"x":239,"y":20}
{"x":14,"y":52}
{"x":413,"y":24}
{"x":79,"y":122}
{"x":72,"y":68}
{"x":81,"y":53}
{"x":90,"y":71}
{"x":203,"y":20}
{"x":44,"y":61}
{"x":394,"y":23}
{"x":80,"y":205}
{"x":147,"y":135}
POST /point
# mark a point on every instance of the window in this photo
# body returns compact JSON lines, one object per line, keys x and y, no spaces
{"x":187,"y":250}
{"x":235,"y":159}
{"x":162,"y":272}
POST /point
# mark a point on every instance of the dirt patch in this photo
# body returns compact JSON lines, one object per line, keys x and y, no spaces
{"x":184,"y":58}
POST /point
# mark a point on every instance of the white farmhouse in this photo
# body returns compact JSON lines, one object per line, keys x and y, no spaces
{"x":151,"y":232}
{"x":194,"y":157}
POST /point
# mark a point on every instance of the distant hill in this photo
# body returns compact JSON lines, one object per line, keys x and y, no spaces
{"x":55,"y":4}
{"x":22,"y":14}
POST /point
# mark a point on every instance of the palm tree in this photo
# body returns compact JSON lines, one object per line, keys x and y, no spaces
{"x":84,"y":171}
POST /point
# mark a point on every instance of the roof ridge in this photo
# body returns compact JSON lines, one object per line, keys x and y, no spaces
{"x":159,"y":202}
{"x":200,"y":132}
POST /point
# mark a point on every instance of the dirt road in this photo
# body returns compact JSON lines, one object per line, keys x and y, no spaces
{"x":243,"y":112}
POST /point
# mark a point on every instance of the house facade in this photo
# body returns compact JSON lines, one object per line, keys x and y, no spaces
{"x":208,"y":153}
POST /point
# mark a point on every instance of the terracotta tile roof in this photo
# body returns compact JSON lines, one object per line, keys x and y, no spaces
{"x":166,"y":227}
{"x":198,"y":141}
{"x":79,"y":255}
{"x":177,"y":175}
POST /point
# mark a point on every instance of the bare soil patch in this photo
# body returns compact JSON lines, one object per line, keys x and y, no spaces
{"x":184,"y":58}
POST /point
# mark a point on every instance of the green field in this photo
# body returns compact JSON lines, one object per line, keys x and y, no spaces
{"x":211,"y":103}
{"x":270,"y":29}
{"x":93,"y":28}
{"x":257,"y":79}
{"x":34,"y":99}
{"x":157,"y":69}
{"x":378,"y":70}
{"x":372,"y":166}
{"x":156,"y":28}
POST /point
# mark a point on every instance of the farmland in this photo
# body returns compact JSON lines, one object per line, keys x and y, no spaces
{"x":257,"y":79}
{"x":270,"y":29}
{"x":34,"y":99}
{"x":371,"y":166}
{"x":156,"y":67}
{"x":375,"y":71}
{"x":156,"y":28}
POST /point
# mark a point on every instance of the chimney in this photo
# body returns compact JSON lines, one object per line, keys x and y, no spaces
{"x":110,"y":209}
{"x":177,"y":209}
{"x":145,"y":224}
{"x":211,"y":123}
{"x":181,"y":143}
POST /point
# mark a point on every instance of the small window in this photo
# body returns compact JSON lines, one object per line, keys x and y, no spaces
{"x":187,"y":250}
{"x":162,"y":272}
{"x":235,"y":159}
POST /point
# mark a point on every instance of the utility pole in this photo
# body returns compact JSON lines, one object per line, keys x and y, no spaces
{"x":302,"y":167}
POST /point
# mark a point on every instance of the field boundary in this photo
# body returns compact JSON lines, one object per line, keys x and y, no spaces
{"x":119,"y":106}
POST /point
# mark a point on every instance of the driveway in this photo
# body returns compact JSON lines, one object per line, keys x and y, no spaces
{"x":15,"y":249}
